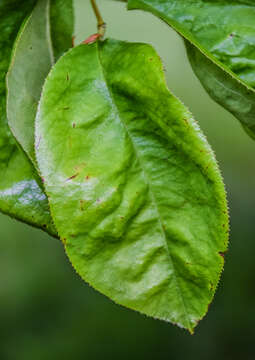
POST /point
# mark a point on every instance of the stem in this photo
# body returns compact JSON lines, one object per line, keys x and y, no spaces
{"x":101,"y":25}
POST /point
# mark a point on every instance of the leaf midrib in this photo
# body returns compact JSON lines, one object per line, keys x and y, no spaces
{"x":153,"y":199}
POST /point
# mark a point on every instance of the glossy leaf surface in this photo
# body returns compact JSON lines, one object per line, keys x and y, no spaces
{"x":224,"y":89}
{"x":32,"y":59}
{"x":134,"y":188}
{"x":21,"y":194}
{"x":224,"y":32}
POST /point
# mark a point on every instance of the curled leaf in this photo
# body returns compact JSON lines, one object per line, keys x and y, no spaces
{"x":223,"y":53}
{"x":224,"y":89}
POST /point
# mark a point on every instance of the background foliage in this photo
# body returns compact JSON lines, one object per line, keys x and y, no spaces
{"x":47,"y":312}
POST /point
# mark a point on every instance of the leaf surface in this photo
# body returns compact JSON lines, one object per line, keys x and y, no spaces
{"x":32,"y":59}
{"x":21,"y":194}
{"x":224,"y":33}
{"x":134,"y":188}
{"x":62,"y":25}
{"x":224,"y":89}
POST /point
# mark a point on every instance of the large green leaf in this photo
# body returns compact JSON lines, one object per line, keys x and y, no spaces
{"x":224,"y":32}
{"x":62,"y":24}
{"x":32,"y":59}
{"x":134,"y":188}
{"x":21,"y":194}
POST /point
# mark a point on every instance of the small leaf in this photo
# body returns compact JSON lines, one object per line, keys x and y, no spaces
{"x":134,"y":188}
{"x":21,"y":194}
{"x":224,"y":33}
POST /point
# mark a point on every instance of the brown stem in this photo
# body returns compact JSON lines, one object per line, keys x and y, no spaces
{"x":101,"y":25}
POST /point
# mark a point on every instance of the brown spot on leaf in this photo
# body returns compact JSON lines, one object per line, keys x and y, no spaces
{"x":73,"y":39}
{"x":82,"y":203}
{"x":72,"y":177}
{"x":87,"y":177}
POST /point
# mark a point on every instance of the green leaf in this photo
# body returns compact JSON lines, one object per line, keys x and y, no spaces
{"x":224,"y":89}
{"x":134,"y":188}
{"x":21,"y":194}
{"x":32,"y":59}
{"x":224,"y":32}
{"x":62,"y":25}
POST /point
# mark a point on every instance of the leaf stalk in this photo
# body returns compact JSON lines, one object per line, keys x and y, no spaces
{"x":101,"y":25}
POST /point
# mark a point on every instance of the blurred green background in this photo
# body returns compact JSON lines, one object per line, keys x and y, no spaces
{"x":48,"y":313}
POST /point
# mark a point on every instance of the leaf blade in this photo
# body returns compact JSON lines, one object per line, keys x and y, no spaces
{"x":129,"y":167}
{"x":224,"y":33}
{"x":21,"y":194}
{"x":32,"y":59}
{"x":223,"y":89}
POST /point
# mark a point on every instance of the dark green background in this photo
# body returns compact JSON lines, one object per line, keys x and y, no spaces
{"x":48,"y":313}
